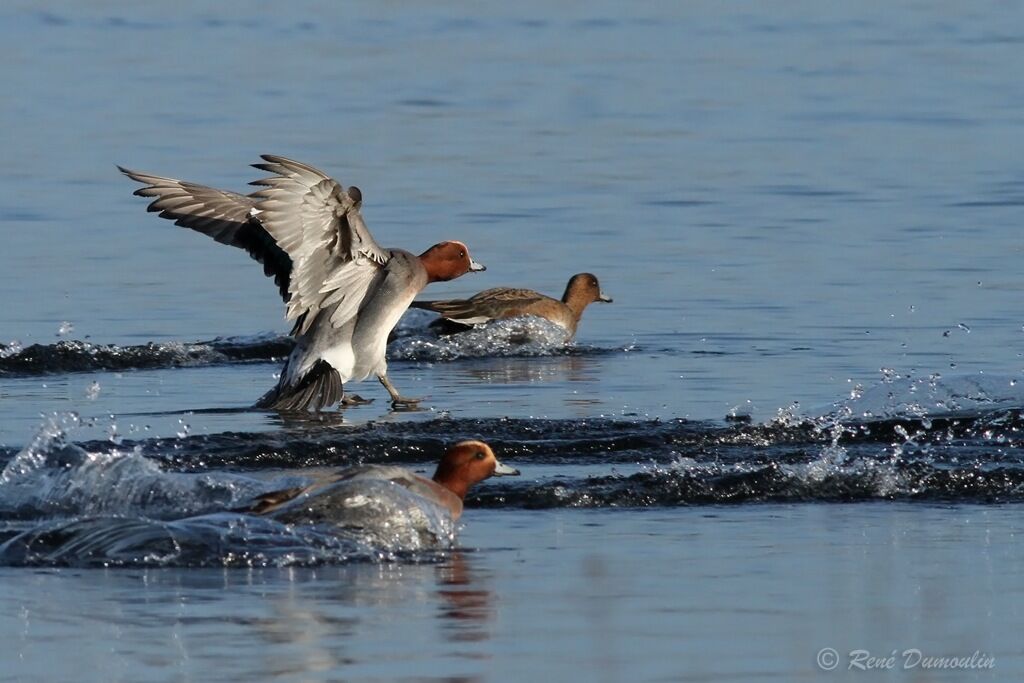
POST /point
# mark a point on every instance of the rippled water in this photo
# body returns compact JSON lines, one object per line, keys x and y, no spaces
{"x":797,"y":427}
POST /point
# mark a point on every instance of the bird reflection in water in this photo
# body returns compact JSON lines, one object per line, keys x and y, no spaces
{"x":466,"y":606}
{"x":569,"y":368}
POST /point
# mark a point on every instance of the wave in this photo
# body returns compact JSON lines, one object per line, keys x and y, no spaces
{"x":177,"y":500}
{"x":413,"y":341}
{"x":689,"y":481}
{"x":82,"y":356}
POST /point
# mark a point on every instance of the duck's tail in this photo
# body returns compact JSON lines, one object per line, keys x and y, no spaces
{"x":319,"y":388}
{"x":425,"y":305}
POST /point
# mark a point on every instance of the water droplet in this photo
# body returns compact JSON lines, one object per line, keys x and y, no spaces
{"x":964,"y":328}
{"x":11,"y":348}
{"x":65,"y":328}
{"x":92,"y":392}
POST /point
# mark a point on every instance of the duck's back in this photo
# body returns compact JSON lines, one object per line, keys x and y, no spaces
{"x":315,"y":501}
{"x":503,"y":302}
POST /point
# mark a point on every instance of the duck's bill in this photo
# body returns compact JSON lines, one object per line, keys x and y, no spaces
{"x":475,"y":267}
{"x":605,"y":298}
{"x":501,"y":470}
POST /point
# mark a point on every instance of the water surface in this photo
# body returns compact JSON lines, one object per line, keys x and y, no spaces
{"x":800,"y":208}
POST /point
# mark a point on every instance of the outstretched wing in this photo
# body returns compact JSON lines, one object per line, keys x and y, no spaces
{"x":490,"y":304}
{"x":224,"y":216}
{"x":318,"y":225}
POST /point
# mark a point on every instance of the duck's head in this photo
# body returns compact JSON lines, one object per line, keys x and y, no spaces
{"x":583,"y":289}
{"x":448,"y":260}
{"x":467,"y":463}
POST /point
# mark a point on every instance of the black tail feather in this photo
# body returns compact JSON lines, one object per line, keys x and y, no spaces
{"x":319,"y":388}
{"x":444,"y":326}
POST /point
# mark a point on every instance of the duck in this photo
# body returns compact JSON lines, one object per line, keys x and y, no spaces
{"x":343,"y":292}
{"x":464,"y":464}
{"x":458,"y":315}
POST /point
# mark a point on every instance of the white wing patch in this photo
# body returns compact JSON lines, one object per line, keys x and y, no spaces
{"x":475,"y":320}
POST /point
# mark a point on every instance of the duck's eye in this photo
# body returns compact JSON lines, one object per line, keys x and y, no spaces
{"x":462,"y":254}
{"x":479,"y":455}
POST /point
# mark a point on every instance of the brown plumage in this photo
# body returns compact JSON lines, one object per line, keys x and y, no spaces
{"x":506,"y":302}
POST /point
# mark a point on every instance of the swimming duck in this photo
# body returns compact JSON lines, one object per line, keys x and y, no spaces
{"x":463,"y":465}
{"x":505,"y":302}
{"x":343,"y":292}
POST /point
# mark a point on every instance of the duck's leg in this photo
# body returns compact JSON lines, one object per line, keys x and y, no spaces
{"x":396,"y":398}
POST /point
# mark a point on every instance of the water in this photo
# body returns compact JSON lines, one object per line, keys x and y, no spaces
{"x":808,"y":216}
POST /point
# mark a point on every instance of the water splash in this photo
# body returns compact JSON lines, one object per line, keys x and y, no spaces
{"x":524,"y":336}
{"x":222,"y":539}
{"x":171,"y":501}
{"x":61,"y":504}
{"x":413,"y":340}
{"x":11,"y":348}
{"x":382,"y":514}
{"x":917,"y":397}
{"x":82,"y":356}
{"x":54,"y":477}
{"x":92,"y":392}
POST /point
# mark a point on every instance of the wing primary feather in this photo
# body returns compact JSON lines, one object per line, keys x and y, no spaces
{"x":222,"y":215}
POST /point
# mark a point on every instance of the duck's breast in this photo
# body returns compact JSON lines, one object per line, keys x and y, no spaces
{"x":555,"y":311}
{"x":405,"y":277}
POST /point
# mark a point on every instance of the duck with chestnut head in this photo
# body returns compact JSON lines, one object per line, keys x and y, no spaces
{"x":458,"y":315}
{"x":327,"y":498}
{"x":343,"y":292}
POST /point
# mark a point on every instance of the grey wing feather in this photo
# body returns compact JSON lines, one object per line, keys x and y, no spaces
{"x":317,"y":223}
{"x":225,"y":216}
{"x":298,"y":202}
{"x":217,"y":213}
